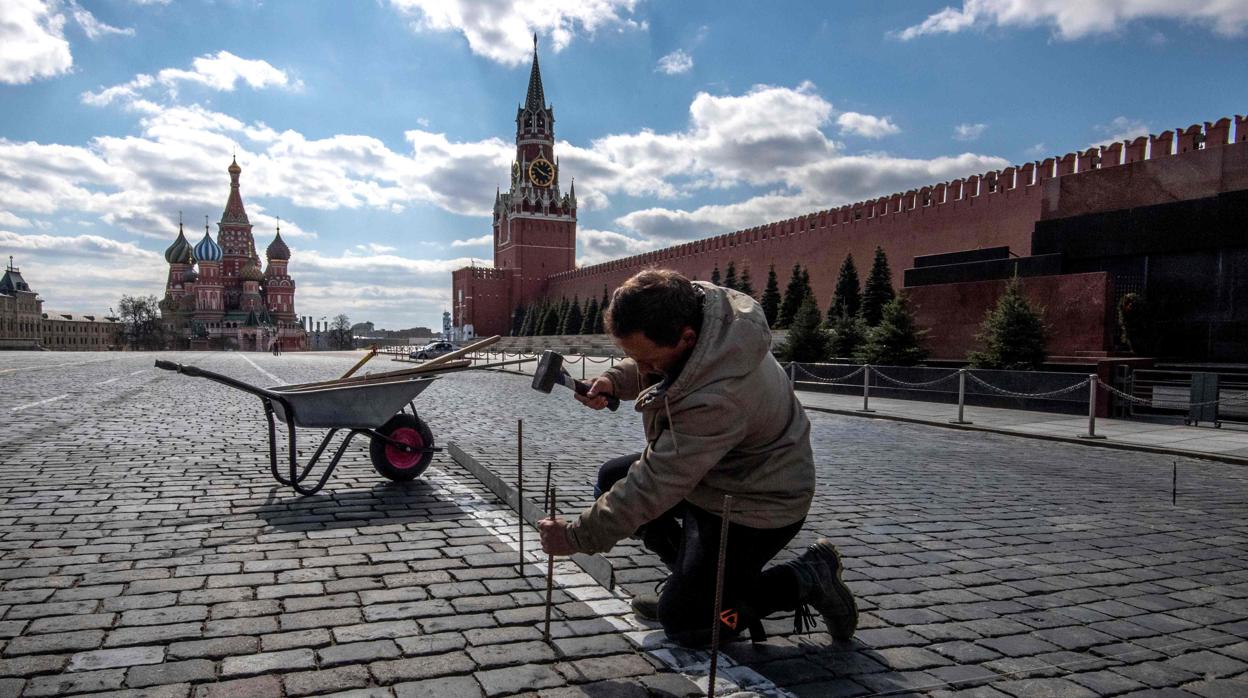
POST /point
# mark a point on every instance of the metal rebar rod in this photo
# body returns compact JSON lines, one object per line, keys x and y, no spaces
{"x":520,"y":487}
{"x":550,"y":567}
{"x":719,"y":595}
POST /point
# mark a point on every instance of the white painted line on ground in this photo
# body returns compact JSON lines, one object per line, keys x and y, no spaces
{"x":139,"y":371}
{"x":270,"y":376}
{"x":19,"y":408}
{"x":35,"y":368}
{"x":110,"y":380}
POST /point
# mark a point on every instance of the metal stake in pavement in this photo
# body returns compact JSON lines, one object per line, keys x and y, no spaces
{"x":520,"y":487}
{"x":866,"y":389}
{"x":719,"y":595}
{"x":961,"y":398}
{"x":1092,"y":379}
{"x":550,"y":567}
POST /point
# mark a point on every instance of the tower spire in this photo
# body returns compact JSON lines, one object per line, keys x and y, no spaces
{"x":535,"y":100}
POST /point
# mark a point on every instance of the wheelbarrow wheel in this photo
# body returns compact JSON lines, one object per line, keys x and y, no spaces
{"x":395,"y":463}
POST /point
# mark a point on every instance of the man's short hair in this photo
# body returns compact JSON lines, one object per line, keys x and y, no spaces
{"x":659,"y":303}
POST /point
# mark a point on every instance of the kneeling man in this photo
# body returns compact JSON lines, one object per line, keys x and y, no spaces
{"x":720,"y":418}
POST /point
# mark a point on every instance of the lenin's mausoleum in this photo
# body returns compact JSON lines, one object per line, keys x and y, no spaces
{"x":1164,"y":215}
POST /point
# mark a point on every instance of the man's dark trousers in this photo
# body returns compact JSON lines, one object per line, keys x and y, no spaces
{"x":686,"y":539}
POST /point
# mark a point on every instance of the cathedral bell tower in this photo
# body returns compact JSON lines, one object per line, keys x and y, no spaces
{"x":534,"y":220}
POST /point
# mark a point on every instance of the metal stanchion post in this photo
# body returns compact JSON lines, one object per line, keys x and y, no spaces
{"x":1091,"y":410}
{"x":792,"y":374}
{"x":961,"y":398}
{"x":583,"y":362}
{"x":866,"y":389}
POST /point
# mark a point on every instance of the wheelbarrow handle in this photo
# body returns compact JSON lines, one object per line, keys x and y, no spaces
{"x":196,"y":372}
{"x":179,"y":368}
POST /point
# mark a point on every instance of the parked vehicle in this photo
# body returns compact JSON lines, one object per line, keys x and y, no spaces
{"x":432,"y":350}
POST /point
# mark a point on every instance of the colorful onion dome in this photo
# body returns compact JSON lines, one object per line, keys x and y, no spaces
{"x":207,"y":250}
{"x":251,"y":271}
{"x":277,"y":249}
{"x":234,"y":168}
{"x":180,"y":251}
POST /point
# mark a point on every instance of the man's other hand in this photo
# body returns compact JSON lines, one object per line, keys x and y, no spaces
{"x":596,"y":398}
{"x":555,"y":537}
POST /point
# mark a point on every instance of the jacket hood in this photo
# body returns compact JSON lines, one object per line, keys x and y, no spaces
{"x":734,"y":339}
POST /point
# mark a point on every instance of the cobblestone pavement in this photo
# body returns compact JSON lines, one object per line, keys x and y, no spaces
{"x":146,"y":551}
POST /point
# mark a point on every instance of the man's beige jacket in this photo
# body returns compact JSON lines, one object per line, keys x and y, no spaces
{"x":729,"y":424}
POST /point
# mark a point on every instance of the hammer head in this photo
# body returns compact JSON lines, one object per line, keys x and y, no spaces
{"x":548,"y":371}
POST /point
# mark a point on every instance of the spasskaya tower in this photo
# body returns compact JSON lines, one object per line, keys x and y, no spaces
{"x":534,"y":226}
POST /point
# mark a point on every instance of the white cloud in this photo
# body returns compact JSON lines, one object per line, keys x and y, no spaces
{"x":222,"y":72}
{"x":597,"y":246}
{"x":866,"y":125}
{"x":85,"y":273}
{"x":93,"y":27}
{"x":1075,"y":20}
{"x":503,"y":31}
{"x":1122,"y":129}
{"x":13,"y":221}
{"x":32,"y":42}
{"x":373,"y":248}
{"x":675,"y":63}
{"x":968,"y":132}
{"x":474,"y":242}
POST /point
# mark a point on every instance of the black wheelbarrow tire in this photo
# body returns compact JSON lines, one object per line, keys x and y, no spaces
{"x":394,"y":463}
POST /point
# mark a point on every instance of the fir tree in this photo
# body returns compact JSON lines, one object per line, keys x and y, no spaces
{"x":517,"y":320}
{"x":807,"y":341}
{"x":794,"y":294}
{"x":572,"y":323}
{"x":715,"y":275}
{"x":1013,"y":333}
{"x":730,"y":276}
{"x":878,"y":290}
{"x":539,"y":317}
{"x":526,"y":327}
{"x":550,"y":324}
{"x":847,"y":298}
{"x":848,"y":333}
{"x":771,"y":297}
{"x":563,"y":315}
{"x":895,"y":341}
{"x":808,"y":291}
{"x":600,"y":325}
{"x":745,"y":286}
{"x":592,"y":317}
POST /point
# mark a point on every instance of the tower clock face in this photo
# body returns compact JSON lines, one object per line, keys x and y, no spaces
{"x":541,"y":172}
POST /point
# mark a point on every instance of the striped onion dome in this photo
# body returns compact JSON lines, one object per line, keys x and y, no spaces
{"x":207,"y":250}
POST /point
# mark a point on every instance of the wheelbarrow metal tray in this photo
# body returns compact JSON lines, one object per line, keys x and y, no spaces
{"x":365,"y":406}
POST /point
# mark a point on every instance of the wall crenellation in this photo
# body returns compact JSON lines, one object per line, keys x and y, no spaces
{"x":954,"y":193}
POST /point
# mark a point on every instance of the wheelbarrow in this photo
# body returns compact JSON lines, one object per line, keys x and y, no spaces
{"x":401,"y":443}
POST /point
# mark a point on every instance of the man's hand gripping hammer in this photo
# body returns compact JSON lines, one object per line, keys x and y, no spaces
{"x":550,"y":371}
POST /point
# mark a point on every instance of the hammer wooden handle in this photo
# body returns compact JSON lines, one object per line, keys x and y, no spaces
{"x":613,"y":402}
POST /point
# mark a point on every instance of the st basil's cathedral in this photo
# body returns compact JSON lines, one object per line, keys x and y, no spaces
{"x":217,"y":296}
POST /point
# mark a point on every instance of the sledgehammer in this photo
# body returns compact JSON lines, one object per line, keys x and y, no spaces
{"x":550,"y":371}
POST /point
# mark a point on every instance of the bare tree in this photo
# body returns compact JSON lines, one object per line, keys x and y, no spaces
{"x":340,"y":335}
{"x":141,"y":326}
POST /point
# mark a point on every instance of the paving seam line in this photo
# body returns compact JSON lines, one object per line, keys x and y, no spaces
{"x":1099,"y":443}
{"x":693,"y":665}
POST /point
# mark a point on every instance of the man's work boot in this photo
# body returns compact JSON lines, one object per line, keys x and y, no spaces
{"x":819,"y":584}
{"x":646,"y":606}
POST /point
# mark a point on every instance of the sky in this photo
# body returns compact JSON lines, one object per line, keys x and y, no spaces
{"x":377,"y":130}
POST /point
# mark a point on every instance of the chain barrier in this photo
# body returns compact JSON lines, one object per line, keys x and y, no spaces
{"x":922,"y":384}
{"x":1150,"y":402}
{"x":821,"y":379}
{"x":1010,"y":393}
{"x":602,"y":361}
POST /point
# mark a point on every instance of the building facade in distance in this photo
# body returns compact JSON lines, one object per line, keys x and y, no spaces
{"x":218,"y":297}
{"x":24,"y":324}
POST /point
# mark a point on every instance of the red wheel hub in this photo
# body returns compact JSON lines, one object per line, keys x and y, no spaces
{"x":399,"y":458}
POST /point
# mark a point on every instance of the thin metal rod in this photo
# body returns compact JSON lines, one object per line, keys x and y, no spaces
{"x":719,"y":595}
{"x":1174,"y":485}
{"x":550,"y":566}
{"x":961,"y":398}
{"x":549,"y":466}
{"x":520,"y":487}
